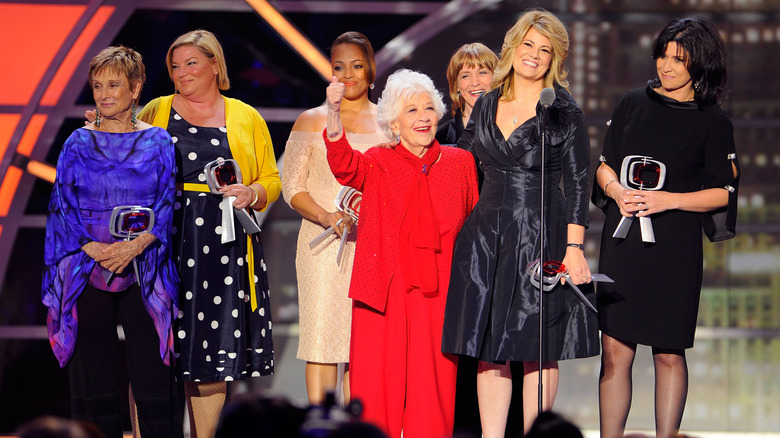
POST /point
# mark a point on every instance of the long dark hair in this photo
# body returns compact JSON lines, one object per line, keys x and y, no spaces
{"x":705,"y":56}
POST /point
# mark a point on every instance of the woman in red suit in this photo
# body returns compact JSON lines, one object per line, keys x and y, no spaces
{"x":416,"y":196}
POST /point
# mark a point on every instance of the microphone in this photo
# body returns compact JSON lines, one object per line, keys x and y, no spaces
{"x":547,"y":97}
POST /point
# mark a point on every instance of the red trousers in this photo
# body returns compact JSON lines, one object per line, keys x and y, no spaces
{"x":396,"y":365}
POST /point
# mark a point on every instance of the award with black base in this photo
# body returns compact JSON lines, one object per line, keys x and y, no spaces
{"x":127,"y":222}
{"x":221,"y":173}
{"x":639,"y":172}
{"x":347,"y":201}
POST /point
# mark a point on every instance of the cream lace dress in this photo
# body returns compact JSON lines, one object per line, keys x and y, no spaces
{"x":325,"y":311}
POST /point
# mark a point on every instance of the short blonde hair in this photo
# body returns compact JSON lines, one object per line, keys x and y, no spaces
{"x":122,"y":60}
{"x":468,"y":55}
{"x":208,"y":44}
{"x":401,"y":86}
{"x":551,"y":27}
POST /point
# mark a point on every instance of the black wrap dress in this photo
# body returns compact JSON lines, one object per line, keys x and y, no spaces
{"x":492,"y":308}
{"x":655,"y":297}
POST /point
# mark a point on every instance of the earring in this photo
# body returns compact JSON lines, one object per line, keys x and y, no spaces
{"x":371,"y":86}
{"x":458,"y":94}
{"x":133,"y":120}
{"x":697,"y":85}
{"x":397,"y":137}
{"x":98,"y":118}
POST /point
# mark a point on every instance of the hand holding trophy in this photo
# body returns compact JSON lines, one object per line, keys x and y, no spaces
{"x":639,"y":172}
{"x":347,"y":201}
{"x":221,"y":173}
{"x":128,"y":221}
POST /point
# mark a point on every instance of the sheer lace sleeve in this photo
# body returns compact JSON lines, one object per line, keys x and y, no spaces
{"x":297,"y":153}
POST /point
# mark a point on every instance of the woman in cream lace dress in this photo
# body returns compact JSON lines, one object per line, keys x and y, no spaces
{"x":310,"y":188}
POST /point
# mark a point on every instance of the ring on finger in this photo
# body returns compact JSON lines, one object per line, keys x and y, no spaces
{"x":338,"y":222}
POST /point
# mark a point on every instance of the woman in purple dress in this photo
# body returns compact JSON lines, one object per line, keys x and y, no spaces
{"x":108,"y":258}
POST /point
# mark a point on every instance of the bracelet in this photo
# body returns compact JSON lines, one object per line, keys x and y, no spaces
{"x":576,"y":245}
{"x":607,"y":184}
{"x":257,"y":194}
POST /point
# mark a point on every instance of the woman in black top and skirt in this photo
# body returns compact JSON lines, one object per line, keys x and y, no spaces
{"x":676,"y":121}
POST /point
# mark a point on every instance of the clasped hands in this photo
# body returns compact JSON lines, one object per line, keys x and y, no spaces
{"x":642,"y":203}
{"x":116,"y":256}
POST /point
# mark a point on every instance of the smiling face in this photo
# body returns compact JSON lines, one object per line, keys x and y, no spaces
{"x":113,"y":93}
{"x":533,"y":56}
{"x":349,"y":65}
{"x":673,"y":73}
{"x":473,"y":81}
{"x":192,"y":70}
{"x":416,"y":123}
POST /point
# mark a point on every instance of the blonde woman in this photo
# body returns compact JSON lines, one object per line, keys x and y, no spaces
{"x":493,"y":308}
{"x":223,"y":332}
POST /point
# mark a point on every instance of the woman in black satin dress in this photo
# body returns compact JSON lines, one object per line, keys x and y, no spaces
{"x":493,"y":308}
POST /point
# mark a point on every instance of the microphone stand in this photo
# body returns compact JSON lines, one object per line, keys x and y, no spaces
{"x":542,"y":233}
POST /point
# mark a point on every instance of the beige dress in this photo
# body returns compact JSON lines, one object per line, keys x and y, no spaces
{"x":325,"y":311}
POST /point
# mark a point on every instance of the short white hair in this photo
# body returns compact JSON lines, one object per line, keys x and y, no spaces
{"x":402,"y":86}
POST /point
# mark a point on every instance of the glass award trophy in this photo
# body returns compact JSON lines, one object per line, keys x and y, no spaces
{"x":127,"y":222}
{"x":220,"y":173}
{"x":639,"y":172}
{"x":552,"y":272}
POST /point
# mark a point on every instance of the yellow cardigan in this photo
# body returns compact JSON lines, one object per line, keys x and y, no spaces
{"x":250,"y":144}
{"x":248,"y":138}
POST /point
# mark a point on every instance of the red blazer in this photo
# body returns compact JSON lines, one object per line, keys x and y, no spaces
{"x":383,"y":177}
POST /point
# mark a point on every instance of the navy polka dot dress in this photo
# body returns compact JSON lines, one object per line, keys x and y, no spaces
{"x":218,"y":336}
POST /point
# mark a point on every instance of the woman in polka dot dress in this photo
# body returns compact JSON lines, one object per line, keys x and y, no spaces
{"x":224,"y":327}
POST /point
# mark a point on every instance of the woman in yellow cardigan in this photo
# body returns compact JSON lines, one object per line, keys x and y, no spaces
{"x":223,"y":330}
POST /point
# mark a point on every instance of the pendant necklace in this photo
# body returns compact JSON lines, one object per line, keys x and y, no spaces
{"x":514,"y":120}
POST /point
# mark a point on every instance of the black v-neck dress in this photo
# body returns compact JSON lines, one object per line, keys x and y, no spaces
{"x":492,"y":308}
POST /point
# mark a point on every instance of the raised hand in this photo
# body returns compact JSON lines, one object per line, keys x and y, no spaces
{"x":335,"y":93}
